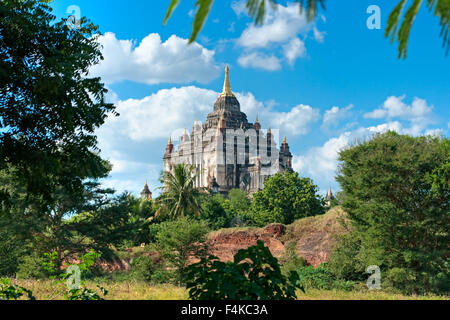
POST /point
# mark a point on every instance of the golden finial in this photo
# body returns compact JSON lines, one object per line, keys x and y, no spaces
{"x":284,"y":140}
{"x":270,"y":131}
{"x":146,"y":183}
{"x":170,"y":140}
{"x":257,"y":120}
{"x":226,"y":86}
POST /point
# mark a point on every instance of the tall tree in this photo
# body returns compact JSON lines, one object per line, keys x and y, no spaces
{"x":179,"y":197}
{"x":397,"y":195}
{"x":49,"y":107}
{"x":257,"y":10}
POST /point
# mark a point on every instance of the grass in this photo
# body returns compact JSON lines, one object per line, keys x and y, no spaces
{"x":117,"y":290}
{"x":139,"y":290}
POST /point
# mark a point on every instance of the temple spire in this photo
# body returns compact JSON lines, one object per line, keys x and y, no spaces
{"x":226,"y":86}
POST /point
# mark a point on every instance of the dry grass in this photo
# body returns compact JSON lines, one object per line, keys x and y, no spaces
{"x":314,"y":294}
{"x":117,"y":290}
{"x":137,"y":290}
{"x":329,"y":224}
{"x":229,"y":231}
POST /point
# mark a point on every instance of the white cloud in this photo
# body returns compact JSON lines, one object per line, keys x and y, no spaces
{"x":297,"y":121}
{"x":394,"y":107}
{"x":279,"y":33}
{"x":163,"y":112}
{"x":333,"y":116}
{"x":279,"y":26}
{"x":419,"y":113}
{"x":259,"y":61}
{"x":154,"y":61}
{"x":294,"y":49}
{"x":239,"y":7}
{"x":434,"y":132}
{"x":318,"y":35}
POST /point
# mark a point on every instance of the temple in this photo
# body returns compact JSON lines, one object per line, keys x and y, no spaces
{"x":228,"y":151}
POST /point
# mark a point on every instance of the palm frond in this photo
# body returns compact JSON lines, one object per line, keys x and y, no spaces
{"x":440,"y":8}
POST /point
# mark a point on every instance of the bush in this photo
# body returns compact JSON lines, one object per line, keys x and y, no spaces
{"x":345,"y":260}
{"x":322,"y":278}
{"x":291,"y":261}
{"x":12,"y":248}
{"x":31,"y":268}
{"x":143,"y":268}
{"x":214,"y":213}
{"x":316,"y":278}
{"x":164,"y":276}
{"x":180,"y":240}
{"x":10,"y":291}
{"x":253,"y":275}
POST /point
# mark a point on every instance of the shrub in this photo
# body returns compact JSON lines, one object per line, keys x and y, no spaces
{"x":214,"y":213}
{"x":74,"y":276}
{"x":11,"y":249}
{"x":143,"y":268}
{"x":346,"y":262}
{"x":253,"y":275}
{"x":10,"y":291}
{"x":164,"y":276}
{"x":31,"y":268}
{"x":291,"y":261}
{"x":322,"y":278}
{"x":316,"y":278}
{"x":180,"y":240}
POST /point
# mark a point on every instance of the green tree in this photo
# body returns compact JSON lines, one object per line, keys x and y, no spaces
{"x":214,"y":213}
{"x":179,"y":198}
{"x":285,"y":198}
{"x":397,"y":195}
{"x":49,"y":107}
{"x":257,"y":10}
{"x":238,"y":202}
{"x":180,"y":240}
{"x":120,"y":221}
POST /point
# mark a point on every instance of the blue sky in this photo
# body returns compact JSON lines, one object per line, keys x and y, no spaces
{"x":322,"y":84}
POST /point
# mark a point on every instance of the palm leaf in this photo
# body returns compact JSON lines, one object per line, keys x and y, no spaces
{"x":441,"y":10}
{"x":204,"y":7}
{"x":255,"y":8}
{"x":170,"y":10}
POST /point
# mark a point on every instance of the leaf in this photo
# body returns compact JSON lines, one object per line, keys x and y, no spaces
{"x":204,"y":7}
{"x":170,"y":10}
{"x":405,"y":29}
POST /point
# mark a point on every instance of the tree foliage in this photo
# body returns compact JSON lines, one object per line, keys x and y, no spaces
{"x":179,"y":198}
{"x":397,"y":195}
{"x":257,"y":10}
{"x":9,"y":291}
{"x":181,"y":239}
{"x":253,"y":275}
{"x":440,"y":8}
{"x":285,"y":198}
{"x":214,"y":213}
{"x":49,"y":107}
